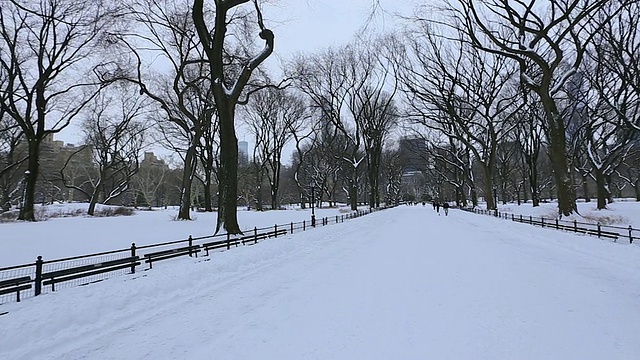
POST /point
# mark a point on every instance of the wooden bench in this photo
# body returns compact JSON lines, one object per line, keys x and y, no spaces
{"x":171,"y":253}
{"x":15,"y":285}
{"x":54,"y":277}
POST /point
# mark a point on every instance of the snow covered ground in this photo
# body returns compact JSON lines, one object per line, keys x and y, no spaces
{"x":62,"y":237}
{"x":622,"y":212}
{"x":403,"y":283}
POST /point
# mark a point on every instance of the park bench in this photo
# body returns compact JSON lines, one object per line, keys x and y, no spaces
{"x":58,"y":276}
{"x":171,"y":253}
{"x":15,"y":285}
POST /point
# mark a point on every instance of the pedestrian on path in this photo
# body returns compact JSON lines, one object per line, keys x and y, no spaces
{"x":445,"y":206}
{"x":438,"y":207}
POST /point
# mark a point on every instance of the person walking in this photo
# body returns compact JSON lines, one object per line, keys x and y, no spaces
{"x":438,"y":207}
{"x":445,"y":206}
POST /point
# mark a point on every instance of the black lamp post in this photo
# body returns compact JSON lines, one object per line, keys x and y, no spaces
{"x":495,"y":200}
{"x":313,"y":201}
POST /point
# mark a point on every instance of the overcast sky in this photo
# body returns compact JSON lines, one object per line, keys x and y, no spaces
{"x":311,"y":25}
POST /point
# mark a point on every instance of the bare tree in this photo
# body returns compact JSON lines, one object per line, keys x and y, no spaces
{"x":148,"y":180}
{"x":630,"y":169}
{"x":377,"y":116}
{"x":392,"y":174}
{"x":11,"y":159}
{"x":548,"y":43}
{"x":529,"y":133}
{"x":49,"y":49}
{"x":274,"y":116}
{"x":227,"y":87}
{"x":461,"y":92}
{"x":115,"y":132}
{"x":332,"y":79}
{"x":615,"y":52}
{"x":181,"y":90}
{"x":305,"y":142}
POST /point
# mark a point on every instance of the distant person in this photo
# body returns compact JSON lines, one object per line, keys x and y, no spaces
{"x":438,"y":207}
{"x":445,"y":206}
{"x":434,"y":205}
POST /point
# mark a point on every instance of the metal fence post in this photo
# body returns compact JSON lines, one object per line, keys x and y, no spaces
{"x":575,"y":226}
{"x":190,"y":245}
{"x":530,"y":219}
{"x":557,"y":227}
{"x":255,"y":235}
{"x":599,"y":230}
{"x":228,"y":241}
{"x":292,"y":227}
{"x":630,"y":237}
{"x":133,"y":260}
{"x":275,"y":229}
{"x":304,"y":227}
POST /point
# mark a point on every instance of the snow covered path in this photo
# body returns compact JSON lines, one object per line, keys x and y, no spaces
{"x":398,"y":284}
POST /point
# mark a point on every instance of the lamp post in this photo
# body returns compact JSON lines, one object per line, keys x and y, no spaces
{"x":313,"y":201}
{"x":495,"y":200}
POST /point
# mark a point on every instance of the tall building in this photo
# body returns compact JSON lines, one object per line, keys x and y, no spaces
{"x":413,"y":152}
{"x":243,"y":152}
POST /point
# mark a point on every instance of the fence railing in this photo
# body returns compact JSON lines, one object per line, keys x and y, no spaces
{"x":44,"y":276}
{"x":601,"y":231}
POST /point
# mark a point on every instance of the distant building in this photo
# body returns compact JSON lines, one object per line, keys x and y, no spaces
{"x":243,"y":152}
{"x":413,"y":154}
{"x":151,"y":160}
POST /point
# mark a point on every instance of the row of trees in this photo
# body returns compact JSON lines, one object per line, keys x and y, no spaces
{"x":490,"y":86}
{"x":500,"y":83}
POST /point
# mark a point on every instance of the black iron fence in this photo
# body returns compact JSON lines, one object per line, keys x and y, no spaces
{"x":44,"y":276}
{"x":611,"y":232}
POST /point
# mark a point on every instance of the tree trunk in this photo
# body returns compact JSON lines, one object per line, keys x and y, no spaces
{"x":187,"y":181}
{"x":525,"y":194}
{"x":585,"y":187}
{"x":558,"y":154}
{"x":207,"y":192}
{"x":607,"y":179}
{"x":31,"y":177}
{"x":92,"y":204}
{"x":259,"y":180}
{"x":473,"y":192}
{"x":353,"y":190}
{"x":275,"y":185}
{"x":274,"y":197}
{"x":601,"y":190}
{"x":488,"y":188}
{"x":228,"y":190}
